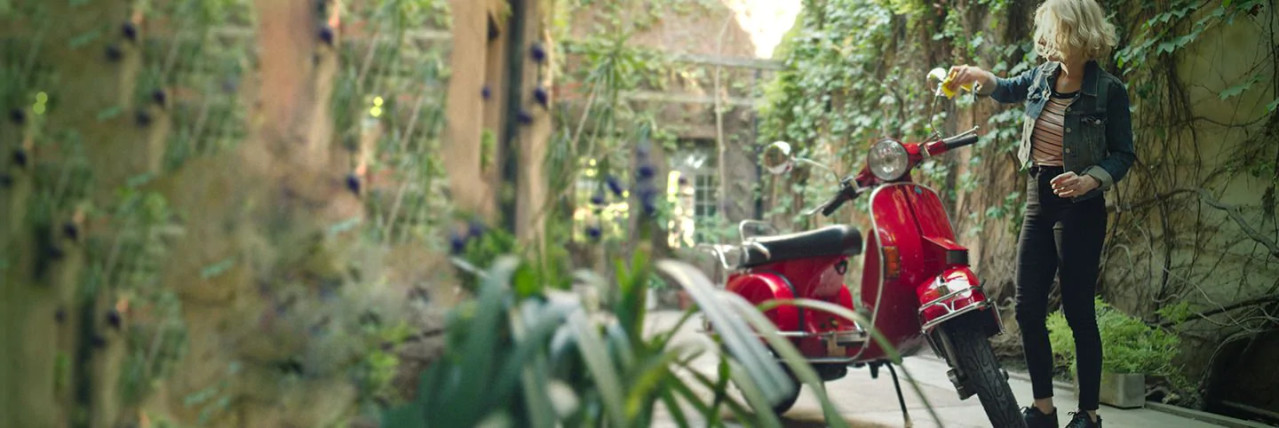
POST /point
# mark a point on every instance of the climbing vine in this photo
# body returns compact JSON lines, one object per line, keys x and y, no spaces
{"x":1203,"y":117}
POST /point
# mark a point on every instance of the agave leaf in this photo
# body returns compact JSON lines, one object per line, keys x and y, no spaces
{"x":736,"y":335}
{"x":651,"y":377}
{"x":672,"y":403}
{"x":594,"y":353}
{"x":754,"y":396}
{"x":537,"y":398}
{"x":476,"y":370}
{"x":620,"y":345}
{"x":563,"y":398}
{"x":737,"y":408}
{"x":875,"y":335}
{"x":690,"y":397}
{"x":530,"y":362}
{"x":788,"y":354}
{"x":661,"y":339}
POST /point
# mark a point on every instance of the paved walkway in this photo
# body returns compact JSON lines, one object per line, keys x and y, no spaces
{"x":866,"y":402}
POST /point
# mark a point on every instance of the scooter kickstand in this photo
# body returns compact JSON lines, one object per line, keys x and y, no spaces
{"x":900,"y":401}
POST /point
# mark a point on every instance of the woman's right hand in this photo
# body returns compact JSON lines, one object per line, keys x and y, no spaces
{"x":965,"y":74}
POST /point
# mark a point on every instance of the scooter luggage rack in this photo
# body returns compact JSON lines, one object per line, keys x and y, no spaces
{"x":741,"y":228}
{"x":944,"y":302}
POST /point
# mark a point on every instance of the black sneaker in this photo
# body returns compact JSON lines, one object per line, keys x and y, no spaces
{"x":1081,"y":420}
{"x":1037,"y":419}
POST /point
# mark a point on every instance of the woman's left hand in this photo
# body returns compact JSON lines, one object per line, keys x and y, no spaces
{"x":1070,"y":185}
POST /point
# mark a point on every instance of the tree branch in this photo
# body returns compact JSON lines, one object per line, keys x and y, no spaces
{"x":1234,"y":214}
{"x":1233,"y":306}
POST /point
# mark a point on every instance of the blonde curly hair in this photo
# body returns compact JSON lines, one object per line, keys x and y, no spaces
{"x":1063,"y":27}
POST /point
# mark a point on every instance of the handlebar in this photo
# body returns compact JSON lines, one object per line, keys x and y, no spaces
{"x":847,"y":192}
{"x":965,"y":139}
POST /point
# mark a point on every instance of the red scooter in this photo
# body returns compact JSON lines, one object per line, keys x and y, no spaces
{"x":916,"y":285}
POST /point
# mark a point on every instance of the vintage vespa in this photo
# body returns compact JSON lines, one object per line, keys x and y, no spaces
{"x":916,"y":285}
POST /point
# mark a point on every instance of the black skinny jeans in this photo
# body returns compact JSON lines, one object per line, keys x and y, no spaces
{"x":1060,"y":237}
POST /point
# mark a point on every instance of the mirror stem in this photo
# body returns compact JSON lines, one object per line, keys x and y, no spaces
{"x":816,"y":164}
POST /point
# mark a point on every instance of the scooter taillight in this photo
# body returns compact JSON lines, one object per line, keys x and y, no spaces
{"x":892,"y":263}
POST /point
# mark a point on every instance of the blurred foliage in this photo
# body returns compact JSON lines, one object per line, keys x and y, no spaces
{"x":546,"y":359}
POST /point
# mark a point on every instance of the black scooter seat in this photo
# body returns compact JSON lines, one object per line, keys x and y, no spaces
{"x":827,"y":241}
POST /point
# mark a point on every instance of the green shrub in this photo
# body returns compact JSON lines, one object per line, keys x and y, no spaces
{"x":1128,"y":345}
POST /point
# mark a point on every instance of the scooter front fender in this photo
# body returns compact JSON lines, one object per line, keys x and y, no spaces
{"x":952,"y":295}
{"x":761,"y":287}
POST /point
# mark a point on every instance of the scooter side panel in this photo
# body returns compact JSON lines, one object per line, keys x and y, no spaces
{"x":759,"y":287}
{"x":897,"y":237}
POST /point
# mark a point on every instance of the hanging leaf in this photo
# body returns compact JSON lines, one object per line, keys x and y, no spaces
{"x":1234,"y":91}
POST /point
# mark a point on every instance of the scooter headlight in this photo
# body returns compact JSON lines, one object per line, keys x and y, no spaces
{"x":888,"y":160}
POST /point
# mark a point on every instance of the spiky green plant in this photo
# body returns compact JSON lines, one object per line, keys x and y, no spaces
{"x":545,"y":360}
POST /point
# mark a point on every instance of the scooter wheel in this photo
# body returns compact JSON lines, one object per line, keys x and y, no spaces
{"x":789,"y":400}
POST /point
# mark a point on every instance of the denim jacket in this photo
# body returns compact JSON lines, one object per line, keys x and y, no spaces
{"x":1098,"y":125}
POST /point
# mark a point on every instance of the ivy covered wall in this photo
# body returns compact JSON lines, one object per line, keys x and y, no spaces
{"x":1192,"y":231}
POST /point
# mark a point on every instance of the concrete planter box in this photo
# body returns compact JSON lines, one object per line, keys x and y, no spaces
{"x":1121,"y":390}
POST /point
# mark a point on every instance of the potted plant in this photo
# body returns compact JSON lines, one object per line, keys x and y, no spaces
{"x":1132,"y":350}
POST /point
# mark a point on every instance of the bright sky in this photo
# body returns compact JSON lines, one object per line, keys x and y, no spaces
{"x":766,"y":21}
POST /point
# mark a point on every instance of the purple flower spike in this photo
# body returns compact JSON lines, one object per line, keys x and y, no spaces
{"x":683,"y":181}
{"x":353,"y":183}
{"x":230,"y":85}
{"x":476,"y":229}
{"x":525,"y":118}
{"x":647,"y":172}
{"x":20,"y":158}
{"x":159,"y":96}
{"x":538,"y":53}
{"x":486,"y":92}
{"x":542,"y":97}
{"x":650,"y":208}
{"x":18,"y":116}
{"x":142,"y":118}
{"x":326,"y":34}
{"x":113,"y":53}
{"x":458,"y":243}
{"x":71,"y":231}
{"x":648,"y":199}
{"x":594,"y":232}
{"x":598,"y":199}
{"x":614,"y":186}
{"x":129,"y":31}
{"x":113,"y":318}
{"x":56,"y":253}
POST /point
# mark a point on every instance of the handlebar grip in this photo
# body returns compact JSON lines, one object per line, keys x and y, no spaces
{"x":958,"y":141}
{"x":838,"y":201}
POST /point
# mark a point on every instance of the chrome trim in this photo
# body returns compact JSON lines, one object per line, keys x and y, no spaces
{"x":832,"y":335}
{"x":741,"y":227}
{"x":954,"y":314}
{"x":762,"y":249}
{"x":944,"y":301}
{"x":717,"y":251}
{"x":828,"y":360}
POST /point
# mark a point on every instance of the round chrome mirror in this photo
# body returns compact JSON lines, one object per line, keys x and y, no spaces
{"x":777,"y":158}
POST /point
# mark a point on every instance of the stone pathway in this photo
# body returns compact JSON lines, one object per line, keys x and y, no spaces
{"x":867,"y":402}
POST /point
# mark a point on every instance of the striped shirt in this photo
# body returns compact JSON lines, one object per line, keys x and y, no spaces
{"x":1046,"y":140}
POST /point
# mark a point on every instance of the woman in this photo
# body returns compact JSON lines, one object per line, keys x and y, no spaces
{"x":1076,"y":143}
